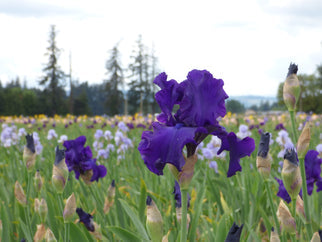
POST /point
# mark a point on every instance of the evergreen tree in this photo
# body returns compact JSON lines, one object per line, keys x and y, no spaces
{"x":54,"y":78}
{"x":140,"y":95}
{"x":114,"y":85}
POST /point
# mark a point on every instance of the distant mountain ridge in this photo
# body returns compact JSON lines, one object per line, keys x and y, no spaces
{"x":250,"y":100}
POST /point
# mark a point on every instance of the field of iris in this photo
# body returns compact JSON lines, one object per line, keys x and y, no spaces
{"x":216,"y":201}
{"x":196,"y":173}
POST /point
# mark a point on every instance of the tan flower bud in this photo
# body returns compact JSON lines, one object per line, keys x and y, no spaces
{"x":20,"y":194}
{"x":291,"y":88}
{"x":36,"y":205}
{"x":109,"y":200}
{"x":38,"y":181}
{"x":300,"y":208}
{"x":291,"y":174}
{"x":60,"y":171}
{"x":285,"y":218}
{"x":303,"y":142}
{"x":274,"y":236}
{"x":29,"y":158}
{"x":40,"y":233}
{"x":264,"y":165}
{"x":70,"y":209}
{"x":43,"y":210}
{"x":50,"y":237}
{"x":179,"y":216}
{"x":316,"y":237}
{"x":154,"y":222}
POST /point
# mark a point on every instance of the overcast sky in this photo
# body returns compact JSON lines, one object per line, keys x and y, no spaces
{"x":249,"y":44}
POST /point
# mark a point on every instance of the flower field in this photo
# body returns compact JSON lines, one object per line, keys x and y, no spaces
{"x":114,"y":178}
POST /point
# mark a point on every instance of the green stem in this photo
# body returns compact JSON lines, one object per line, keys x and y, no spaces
{"x":271,"y":204}
{"x":66,"y":232}
{"x":294,"y":207}
{"x":184,"y":204}
{"x":295,"y":135}
{"x":28,"y":208}
{"x":308,"y":224}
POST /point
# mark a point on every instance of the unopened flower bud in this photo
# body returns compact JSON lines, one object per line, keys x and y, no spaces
{"x":291,"y":173}
{"x":274,"y":236}
{"x":29,"y":153}
{"x":38,"y":181}
{"x":185,"y":176}
{"x":40,"y":233}
{"x":50,"y":237}
{"x":86,"y":219}
{"x":60,"y":171}
{"x":20,"y":194}
{"x":316,"y":237}
{"x":291,"y":88}
{"x":303,"y":142}
{"x":43,"y":210}
{"x":70,"y":209}
{"x":285,"y":218}
{"x":234,"y":233}
{"x":300,"y":208}
{"x":264,"y":159}
{"x":36,"y":205}
{"x":154,"y":222}
{"x":109,"y":200}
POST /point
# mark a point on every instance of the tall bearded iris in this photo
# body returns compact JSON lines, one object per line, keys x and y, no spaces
{"x":201,"y":101}
{"x":79,"y":159}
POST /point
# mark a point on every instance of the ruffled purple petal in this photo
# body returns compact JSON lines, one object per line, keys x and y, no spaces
{"x":237,"y":149}
{"x":282,"y":193}
{"x":203,"y":99}
{"x":167,"y":97}
{"x":164,"y":145}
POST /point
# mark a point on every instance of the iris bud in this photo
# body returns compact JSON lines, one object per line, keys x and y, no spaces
{"x":303,"y":142}
{"x":274,"y":236}
{"x":316,"y":237}
{"x":264,"y":159}
{"x":60,"y":171}
{"x":234,"y":233}
{"x":38,"y":181}
{"x":154,"y":222}
{"x":50,"y":237}
{"x":285,"y":218}
{"x":291,"y":174}
{"x":70,"y":209}
{"x":20,"y":194}
{"x":109,"y":200}
{"x":43,"y":210}
{"x":40,"y":233}
{"x":300,"y":208}
{"x":291,"y":88}
{"x":29,"y":153}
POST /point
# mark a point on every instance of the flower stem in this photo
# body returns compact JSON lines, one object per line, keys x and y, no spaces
{"x":308,"y":224}
{"x":271,"y":204}
{"x":295,"y":136}
{"x":28,"y":208}
{"x":184,"y":204}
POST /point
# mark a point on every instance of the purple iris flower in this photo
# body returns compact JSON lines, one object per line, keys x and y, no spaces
{"x":313,"y":171}
{"x":79,"y":159}
{"x":282,"y":193}
{"x":177,"y":195}
{"x":279,"y":126}
{"x":86,"y":219}
{"x":201,"y":101}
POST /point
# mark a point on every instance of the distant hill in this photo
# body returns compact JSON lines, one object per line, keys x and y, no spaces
{"x":250,"y":100}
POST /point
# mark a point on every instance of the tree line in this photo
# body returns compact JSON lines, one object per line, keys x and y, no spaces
{"x":112,"y":96}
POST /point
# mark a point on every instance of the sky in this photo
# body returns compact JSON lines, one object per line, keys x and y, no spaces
{"x":249,"y":44}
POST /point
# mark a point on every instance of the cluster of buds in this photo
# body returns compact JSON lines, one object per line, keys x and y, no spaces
{"x":60,"y":171}
{"x":154,"y":222}
{"x":109,"y":200}
{"x":291,"y":173}
{"x":264,"y":159}
{"x":291,"y":88}
{"x":44,"y":234}
{"x":29,"y":153}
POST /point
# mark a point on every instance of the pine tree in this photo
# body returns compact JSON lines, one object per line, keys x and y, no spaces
{"x":114,"y":85}
{"x":53,"y":78}
{"x":140,"y":93}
